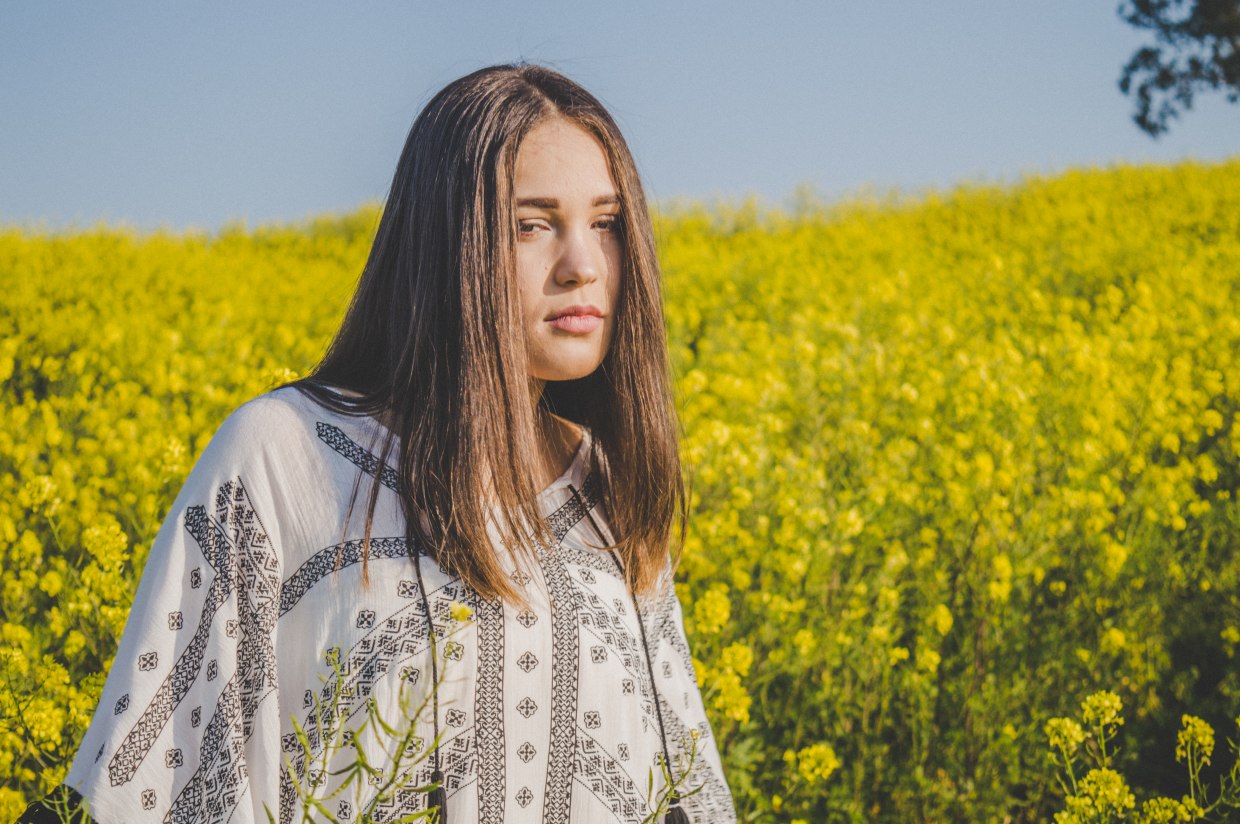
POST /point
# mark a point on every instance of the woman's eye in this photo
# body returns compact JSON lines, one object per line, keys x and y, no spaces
{"x":526,"y":227}
{"x":608,"y":223}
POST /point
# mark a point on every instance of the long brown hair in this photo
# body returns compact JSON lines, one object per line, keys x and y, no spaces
{"x":432,"y":339}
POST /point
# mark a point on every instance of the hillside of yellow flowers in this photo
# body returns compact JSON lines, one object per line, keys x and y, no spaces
{"x":960,"y":462}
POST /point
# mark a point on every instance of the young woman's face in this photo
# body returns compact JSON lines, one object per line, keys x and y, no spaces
{"x":569,"y":252}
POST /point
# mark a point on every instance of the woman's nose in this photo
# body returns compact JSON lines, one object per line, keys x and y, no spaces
{"x":580,"y":259}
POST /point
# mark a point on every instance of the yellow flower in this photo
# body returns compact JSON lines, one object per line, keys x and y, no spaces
{"x":941,"y":619}
{"x":51,"y":582}
{"x":1114,"y":556}
{"x":928,"y":660}
{"x":40,"y":495}
{"x":1195,"y":740}
{"x":738,"y":658}
{"x":1001,"y":587}
{"x":1102,"y":795}
{"x":731,"y":699}
{"x":460,"y":612}
{"x":816,"y":762}
{"x":1102,"y":709}
{"x":106,"y":541}
{"x":1064,"y":734}
{"x":12,"y":804}
{"x":1113,"y":640}
{"x":712,"y":610}
{"x":851,"y":523}
{"x":1165,"y":811}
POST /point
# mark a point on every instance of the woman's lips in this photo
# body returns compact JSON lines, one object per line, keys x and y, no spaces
{"x":576,"y":324}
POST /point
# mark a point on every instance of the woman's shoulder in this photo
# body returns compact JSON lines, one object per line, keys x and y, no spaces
{"x":292,"y":460}
{"x":280,"y":426}
{"x":274,"y":417}
{"x":286,"y":413}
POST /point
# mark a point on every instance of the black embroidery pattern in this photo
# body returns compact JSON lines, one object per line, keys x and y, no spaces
{"x":566,"y":517}
{"x":235,"y":533}
{"x":599,"y":620}
{"x":590,"y":558}
{"x":565,"y":654}
{"x":288,"y":796}
{"x":362,"y":458}
{"x":221,"y":778}
{"x":487,"y":729}
{"x":459,"y":768}
{"x":397,"y":644}
{"x":489,"y":710}
{"x":600,"y":773}
{"x":564,"y":665}
{"x":714,"y":802}
{"x":322,"y":563}
{"x":678,"y":642}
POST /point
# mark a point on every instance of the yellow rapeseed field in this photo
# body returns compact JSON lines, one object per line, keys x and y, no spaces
{"x":959,"y":464}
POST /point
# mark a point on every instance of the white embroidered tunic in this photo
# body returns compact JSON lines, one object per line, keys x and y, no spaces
{"x":252,"y":622}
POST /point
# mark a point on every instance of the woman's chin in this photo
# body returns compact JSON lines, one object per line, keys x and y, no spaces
{"x":566,"y":371}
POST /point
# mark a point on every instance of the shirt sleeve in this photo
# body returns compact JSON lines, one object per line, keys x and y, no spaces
{"x":187,"y":727}
{"x":685,"y":719}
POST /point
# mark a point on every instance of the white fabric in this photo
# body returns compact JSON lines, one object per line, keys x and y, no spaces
{"x":253,"y":585}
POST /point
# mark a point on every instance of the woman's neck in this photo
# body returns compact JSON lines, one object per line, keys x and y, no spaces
{"x":558,"y":442}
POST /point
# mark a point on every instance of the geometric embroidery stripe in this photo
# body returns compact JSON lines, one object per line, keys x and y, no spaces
{"x":566,"y":517}
{"x":332,"y":558}
{"x":400,"y":637}
{"x":489,"y":711}
{"x":219,"y":788}
{"x":712,"y":803}
{"x":679,"y":646}
{"x":288,"y":796}
{"x":216,"y":548}
{"x":565,"y":654}
{"x":256,"y":603}
{"x":662,"y":618}
{"x":599,"y":772}
{"x":592,"y":558}
{"x":191,"y":803}
{"x":362,"y":458}
{"x":215,"y":789}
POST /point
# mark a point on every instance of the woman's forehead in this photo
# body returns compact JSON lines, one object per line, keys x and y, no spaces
{"x":559,"y":159}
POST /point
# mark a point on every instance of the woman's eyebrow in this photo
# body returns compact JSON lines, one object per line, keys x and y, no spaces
{"x":539,"y":202}
{"x":554,"y":203}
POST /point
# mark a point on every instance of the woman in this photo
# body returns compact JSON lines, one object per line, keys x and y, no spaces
{"x":500,"y":381}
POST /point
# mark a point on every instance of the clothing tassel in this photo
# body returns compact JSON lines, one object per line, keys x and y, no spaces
{"x":439,"y":797}
{"x":676,"y":814}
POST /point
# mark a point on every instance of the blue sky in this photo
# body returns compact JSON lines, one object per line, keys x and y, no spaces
{"x":193,"y":115}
